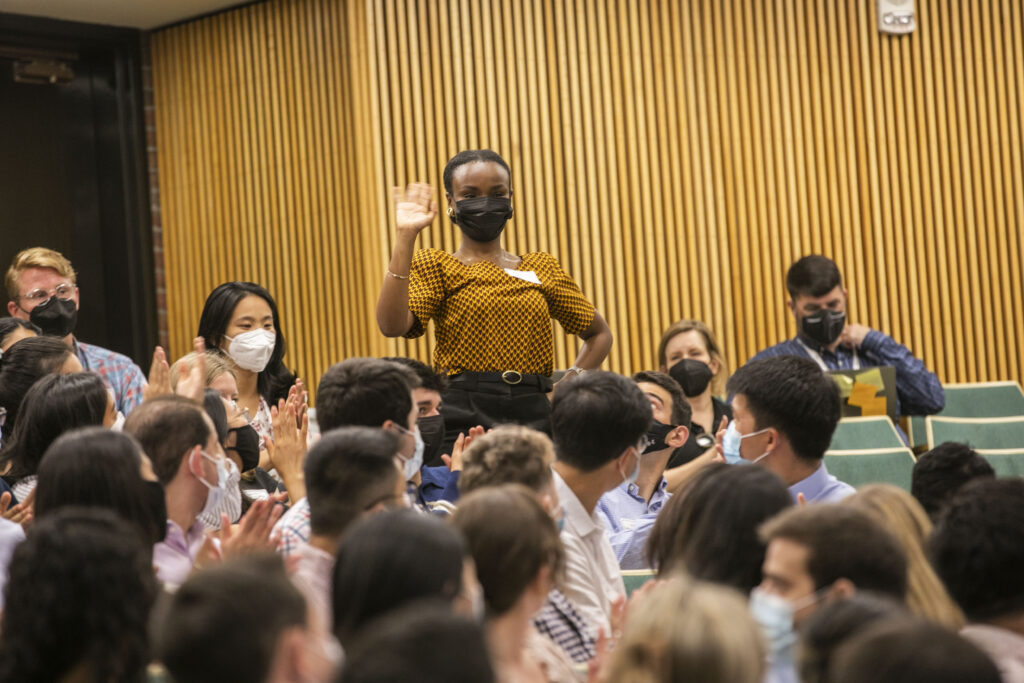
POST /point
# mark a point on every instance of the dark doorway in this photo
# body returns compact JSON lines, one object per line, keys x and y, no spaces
{"x":72,"y":169}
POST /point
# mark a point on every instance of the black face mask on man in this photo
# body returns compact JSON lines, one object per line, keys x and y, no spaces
{"x":56,"y":317}
{"x":482,"y":218}
{"x":247,"y":446}
{"x":432,"y":432}
{"x":692,"y":375}
{"x":657,"y":435}
{"x":824,"y":327}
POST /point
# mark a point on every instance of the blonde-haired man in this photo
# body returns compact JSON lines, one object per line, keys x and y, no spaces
{"x":41,"y":286}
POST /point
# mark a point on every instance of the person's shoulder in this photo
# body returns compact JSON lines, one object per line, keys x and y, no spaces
{"x":103,"y":355}
{"x":537,"y":260}
{"x":788,"y":347}
{"x":432,"y":255}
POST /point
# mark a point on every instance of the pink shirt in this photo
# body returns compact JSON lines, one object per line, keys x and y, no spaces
{"x":312,"y":576}
{"x":175,"y":555}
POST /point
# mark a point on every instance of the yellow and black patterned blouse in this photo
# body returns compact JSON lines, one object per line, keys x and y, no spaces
{"x":490,"y":321}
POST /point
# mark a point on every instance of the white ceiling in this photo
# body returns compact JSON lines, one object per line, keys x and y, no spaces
{"x":144,"y":14}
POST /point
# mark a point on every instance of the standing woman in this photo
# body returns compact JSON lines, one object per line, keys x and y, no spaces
{"x":240,"y":320}
{"x":492,"y":309}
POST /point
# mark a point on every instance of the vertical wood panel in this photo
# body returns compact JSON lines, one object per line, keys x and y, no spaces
{"x":675,"y":156}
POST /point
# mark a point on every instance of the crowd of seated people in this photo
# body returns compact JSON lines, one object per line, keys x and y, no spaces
{"x":191,"y":524}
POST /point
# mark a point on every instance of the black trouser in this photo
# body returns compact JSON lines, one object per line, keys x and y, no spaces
{"x":485,"y":399}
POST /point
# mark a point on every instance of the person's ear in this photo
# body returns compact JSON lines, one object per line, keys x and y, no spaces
{"x":677,"y":437}
{"x":12,"y":309}
{"x":841,"y":589}
{"x":792,"y":306}
{"x":715,"y":366}
{"x":75,"y":297}
{"x":194,"y":460}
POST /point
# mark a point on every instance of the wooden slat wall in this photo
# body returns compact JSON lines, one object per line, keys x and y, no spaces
{"x":675,"y":156}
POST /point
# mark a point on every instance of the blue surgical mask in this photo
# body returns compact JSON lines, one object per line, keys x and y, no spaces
{"x":631,"y":478}
{"x":774,"y":614}
{"x":731,"y":441}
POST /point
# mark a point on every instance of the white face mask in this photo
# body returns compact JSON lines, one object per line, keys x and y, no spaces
{"x":412,"y":464}
{"x":252,"y":350}
{"x":215,"y":493}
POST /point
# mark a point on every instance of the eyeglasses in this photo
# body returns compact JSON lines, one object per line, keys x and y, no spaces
{"x":38,"y":296}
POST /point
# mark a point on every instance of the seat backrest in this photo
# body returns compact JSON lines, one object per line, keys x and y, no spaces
{"x":972,"y":399}
{"x":635,"y":578}
{"x":859,"y":433}
{"x":979,"y":433}
{"x":881,"y":465}
{"x":1006,"y":463}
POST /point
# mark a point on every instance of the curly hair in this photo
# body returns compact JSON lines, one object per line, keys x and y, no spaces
{"x":509,"y":454}
{"x":79,"y":590}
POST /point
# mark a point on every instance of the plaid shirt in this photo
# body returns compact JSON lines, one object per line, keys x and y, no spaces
{"x":293,"y":529}
{"x":118,"y":371}
{"x":559,"y":621}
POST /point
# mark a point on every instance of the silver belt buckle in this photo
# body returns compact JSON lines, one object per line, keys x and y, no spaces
{"x":512,"y":377}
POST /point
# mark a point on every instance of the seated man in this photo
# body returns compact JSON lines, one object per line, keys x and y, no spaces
{"x":819,"y":304}
{"x":978,"y":552}
{"x":599,"y":423}
{"x":629,"y":510}
{"x":784,"y":414}
{"x":942,"y":471}
{"x":41,"y":286}
{"x":816,"y":555}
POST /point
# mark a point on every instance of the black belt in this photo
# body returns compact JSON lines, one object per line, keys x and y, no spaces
{"x":468,"y":379}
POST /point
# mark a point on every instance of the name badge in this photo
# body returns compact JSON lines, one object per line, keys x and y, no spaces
{"x":527,"y":275}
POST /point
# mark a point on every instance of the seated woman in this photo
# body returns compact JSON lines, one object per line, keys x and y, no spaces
{"x":14,"y":330}
{"x":54,"y":405}
{"x":689,"y":353}
{"x":518,"y":558}
{"x":22,"y":365}
{"x":492,"y":309}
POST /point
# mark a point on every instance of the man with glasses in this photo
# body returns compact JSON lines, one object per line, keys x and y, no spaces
{"x":629,"y":509}
{"x":599,"y":422}
{"x":42,"y":288}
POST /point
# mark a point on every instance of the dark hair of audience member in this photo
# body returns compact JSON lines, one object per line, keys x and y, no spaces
{"x":681,"y":411}
{"x":423,"y":642}
{"x":223,"y":623}
{"x":834,"y":623}
{"x":792,"y":395}
{"x":168,"y":427}
{"x":54,"y":405}
{"x":8,"y":325}
{"x":364,"y":392}
{"x":910,"y":650}
{"x":814,"y":276}
{"x":710,"y":527}
{"x":275,"y":380}
{"x":511,"y":539}
{"x":978,"y":549}
{"x":21,"y":366}
{"x":469,"y":156}
{"x":213,"y":406}
{"x":843,"y":542}
{"x":939,"y":474}
{"x":77,"y":599}
{"x":596,"y":417}
{"x":347,"y":472}
{"x":429,"y":380}
{"x":389,"y":560}
{"x":508,"y":454}
{"x":95,"y":467}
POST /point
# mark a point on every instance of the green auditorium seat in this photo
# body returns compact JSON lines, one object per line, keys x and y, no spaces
{"x":870,"y":466}
{"x":860,"y":433}
{"x":978,"y":399}
{"x":994,"y":433}
{"x":635,"y":578}
{"x":1006,"y":463}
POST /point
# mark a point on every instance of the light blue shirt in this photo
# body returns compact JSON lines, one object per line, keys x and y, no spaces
{"x":628,"y":520}
{"x":821,"y":487}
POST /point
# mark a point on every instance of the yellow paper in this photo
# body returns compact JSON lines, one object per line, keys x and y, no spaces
{"x":872,"y":377}
{"x":845,"y":384}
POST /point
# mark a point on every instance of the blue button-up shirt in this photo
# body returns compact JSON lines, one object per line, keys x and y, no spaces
{"x":123,"y":376}
{"x":918,"y":390}
{"x":821,"y":487}
{"x":628,"y":520}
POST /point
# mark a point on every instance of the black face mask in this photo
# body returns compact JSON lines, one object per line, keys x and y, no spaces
{"x":657,"y":434}
{"x":156,"y":509}
{"x":247,"y":446}
{"x":482,"y":218}
{"x":693,"y":376}
{"x":432,"y":432}
{"x":56,"y":317}
{"x":824,"y":327}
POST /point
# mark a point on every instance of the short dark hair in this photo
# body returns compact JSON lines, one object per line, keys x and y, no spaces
{"x":682,"y":413}
{"x":813,"y":275}
{"x":792,"y":395}
{"x":364,"y":392}
{"x":978,"y":548}
{"x":467,"y":157}
{"x":167,"y":427}
{"x":347,"y":471}
{"x":9,"y":325}
{"x":710,"y":527}
{"x":96,"y":467}
{"x":597,"y":416}
{"x":429,"y":380}
{"x":416,"y":643}
{"x":511,"y":538}
{"x":508,"y":454}
{"x":20,"y":367}
{"x":910,"y":650}
{"x":79,"y":589}
{"x":223,"y":623}
{"x":939,"y":474}
{"x":390,"y":560}
{"x":843,"y":543}
{"x":55,"y":404}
